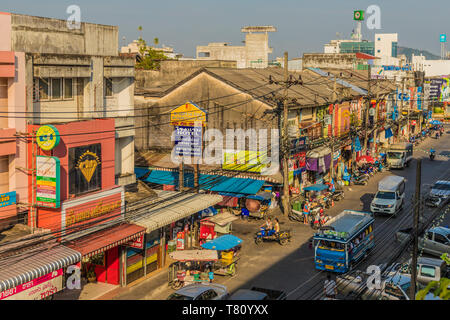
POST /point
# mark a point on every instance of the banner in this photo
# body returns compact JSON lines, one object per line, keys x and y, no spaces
{"x":48,"y":181}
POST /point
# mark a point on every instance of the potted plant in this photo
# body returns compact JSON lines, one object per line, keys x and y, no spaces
{"x":91,"y":275}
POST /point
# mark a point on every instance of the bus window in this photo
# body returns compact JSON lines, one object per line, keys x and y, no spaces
{"x":330,"y":245}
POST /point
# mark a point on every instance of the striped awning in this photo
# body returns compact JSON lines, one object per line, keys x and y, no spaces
{"x":175,"y":207}
{"x":37,"y":262}
{"x":104,"y":240}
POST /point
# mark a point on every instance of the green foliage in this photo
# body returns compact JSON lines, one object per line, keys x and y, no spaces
{"x":150,"y":58}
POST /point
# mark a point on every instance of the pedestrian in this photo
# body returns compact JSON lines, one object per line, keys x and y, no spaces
{"x":211,"y":275}
{"x":330,"y":288}
{"x":245,"y":213}
{"x":305,"y":212}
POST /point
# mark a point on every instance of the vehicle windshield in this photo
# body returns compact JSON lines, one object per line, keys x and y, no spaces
{"x":177,"y":296}
{"x":441,"y":186}
{"x":385,"y":195}
{"x":395,"y":155}
{"x":330,"y":245}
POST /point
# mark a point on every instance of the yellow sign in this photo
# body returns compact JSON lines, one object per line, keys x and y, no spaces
{"x":47,"y":137}
{"x":244,"y":160}
{"x":87,"y":163}
{"x":99,"y":210}
{"x":187,"y":114}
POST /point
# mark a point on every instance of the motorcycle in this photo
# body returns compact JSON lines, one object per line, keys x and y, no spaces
{"x":283,"y":237}
{"x":432,"y":156}
{"x":337,"y":195}
{"x":359,"y":180}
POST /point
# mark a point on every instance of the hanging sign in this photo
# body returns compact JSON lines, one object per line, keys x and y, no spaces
{"x":137,"y":243}
{"x":48,"y":181}
{"x":47,"y":137}
{"x":187,"y":114}
{"x":7,"y":199}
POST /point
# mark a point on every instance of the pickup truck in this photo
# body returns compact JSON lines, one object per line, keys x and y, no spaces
{"x":428,"y":269}
{"x":256,"y":293}
{"x":392,"y":287}
{"x":436,"y":240}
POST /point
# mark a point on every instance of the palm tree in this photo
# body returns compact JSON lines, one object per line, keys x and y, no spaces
{"x":156,"y":41}
{"x":140,"y":31}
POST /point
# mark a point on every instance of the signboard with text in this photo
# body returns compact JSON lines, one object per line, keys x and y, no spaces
{"x":36,"y":289}
{"x":7,"y":199}
{"x":187,"y":114}
{"x":48,"y":181}
{"x":188,"y":141}
{"x":137,"y":243}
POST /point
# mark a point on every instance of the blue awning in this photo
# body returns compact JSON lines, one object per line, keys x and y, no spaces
{"x":229,"y":194}
{"x":261,"y":196}
{"x":217,"y":183}
{"x":140,"y":172}
{"x":224,"y":242}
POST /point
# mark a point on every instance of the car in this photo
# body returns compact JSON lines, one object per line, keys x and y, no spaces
{"x":256,"y":293}
{"x":436,"y":240}
{"x":201,"y":291}
{"x":441,"y":190}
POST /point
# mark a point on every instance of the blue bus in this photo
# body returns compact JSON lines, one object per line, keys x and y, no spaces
{"x":344,"y":240}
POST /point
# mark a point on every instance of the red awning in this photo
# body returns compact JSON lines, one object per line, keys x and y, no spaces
{"x":105,"y":239}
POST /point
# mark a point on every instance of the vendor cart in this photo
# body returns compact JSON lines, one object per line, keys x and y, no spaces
{"x":228,"y":247}
{"x":261,"y":209}
{"x":191,"y":266}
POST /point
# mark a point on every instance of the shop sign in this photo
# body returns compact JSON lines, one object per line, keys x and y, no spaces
{"x":336,"y":155}
{"x":47,"y":137}
{"x":85,"y":169}
{"x":137,"y":243}
{"x":244,"y":160}
{"x":7,"y":199}
{"x":36,"y":289}
{"x":48,"y":181}
{"x":298,"y":144}
{"x":188,"y":141}
{"x":100,"y":209}
{"x":180,"y":241}
{"x":187,"y":115}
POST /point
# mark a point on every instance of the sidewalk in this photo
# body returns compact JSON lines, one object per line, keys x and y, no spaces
{"x":88,"y":291}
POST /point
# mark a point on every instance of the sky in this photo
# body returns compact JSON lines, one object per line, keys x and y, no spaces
{"x":303,"y":26}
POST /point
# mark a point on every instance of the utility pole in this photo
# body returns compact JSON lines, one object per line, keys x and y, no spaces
{"x":285,"y":140}
{"x":366,"y":134}
{"x":402,"y":96}
{"x":333,"y":100}
{"x":415,"y":231}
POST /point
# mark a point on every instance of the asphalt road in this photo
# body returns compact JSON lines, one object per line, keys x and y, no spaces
{"x":291,"y":267}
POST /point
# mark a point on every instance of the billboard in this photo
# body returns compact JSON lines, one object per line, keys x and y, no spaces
{"x":439,"y":89}
{"x":244,"y":160}
{"x":188,"y":141}
{"x":48,"y":181}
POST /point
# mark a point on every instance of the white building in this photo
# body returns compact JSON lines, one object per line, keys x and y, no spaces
{"x":386,"y":44}
{"x":133,"y":47}
{"x":254,"y":54}
{"x":431,"y":68}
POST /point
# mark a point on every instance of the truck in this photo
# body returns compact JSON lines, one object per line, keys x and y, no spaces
{"x":390,"y":196}
{"x":399,"y":155}
{"x":436,"y":240}
{"x":257,"y":293}
{"x":428,"y":269}
{"x":392,"y":287}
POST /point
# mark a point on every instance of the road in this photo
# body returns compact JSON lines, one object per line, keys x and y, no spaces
{"x":291,"y":267}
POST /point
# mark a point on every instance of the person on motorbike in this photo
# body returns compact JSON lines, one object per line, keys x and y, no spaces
{"x":276,"y":227}
{"x":432,"y":153}
{"x":267,"y":226}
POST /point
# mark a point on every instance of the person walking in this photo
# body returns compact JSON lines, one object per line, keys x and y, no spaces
{"x":305,"y":212}
{"x":330,"y":288}
{"x":211,"y":275}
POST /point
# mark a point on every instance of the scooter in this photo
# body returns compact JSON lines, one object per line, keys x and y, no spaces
{"x":359,"y":180}
{"x":432,"y":156}
{"x":337,"y":195}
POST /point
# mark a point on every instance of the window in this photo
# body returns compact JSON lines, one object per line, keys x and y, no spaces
{"x":428,"y":271}
{"x":56,"y":89}
{"x":108,"y":87}
{"x":440,"y":238}
{"x":207,"y":295}
{"x":44,"y":87}
{"x":68,"y":88}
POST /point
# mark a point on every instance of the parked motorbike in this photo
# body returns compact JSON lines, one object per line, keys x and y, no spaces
{"x":337,"y":195}
{"x":283,"y":237}
{"x":359,"y":180}
{"x":295,"y":215}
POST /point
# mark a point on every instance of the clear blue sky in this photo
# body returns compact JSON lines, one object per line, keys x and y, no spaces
{"x":303,"y":26}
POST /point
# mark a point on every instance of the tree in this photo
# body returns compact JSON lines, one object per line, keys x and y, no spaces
{"x":151,"y":58}
{"x":156,"y":41}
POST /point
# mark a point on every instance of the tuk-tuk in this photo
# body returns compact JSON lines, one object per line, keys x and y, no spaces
{"x":261,"y":209}
{"x":228,"y":247}
{"x":192,"y":266}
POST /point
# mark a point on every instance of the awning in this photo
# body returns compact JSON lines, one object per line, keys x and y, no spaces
{"x":224,"y":242}
{"x":172,"y":210}
{"x":103,"y":240}
{"x":34,"y":263}
{"x":318,"y":152}
{"x":316,"y":187}
{"x":223,"y":218}
{"x":194,"y":255}
{"x":261,"y":196}
{"x":218,"y":183}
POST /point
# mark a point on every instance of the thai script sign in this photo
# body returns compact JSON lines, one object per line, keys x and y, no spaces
{"x":48,"y":181}
{"x":7,"y":199}
{"x":187,"y":114}
{"x":98,"y":210}
{"x":36,"y":289}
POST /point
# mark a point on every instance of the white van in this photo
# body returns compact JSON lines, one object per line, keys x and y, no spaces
{"x":390,"y":196}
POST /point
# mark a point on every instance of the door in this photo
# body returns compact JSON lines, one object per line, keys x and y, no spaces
{"x":112,"y":266}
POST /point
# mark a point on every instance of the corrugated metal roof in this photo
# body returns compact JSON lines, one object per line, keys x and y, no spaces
{"x":172,"y":210}
{"x":26,"y":266}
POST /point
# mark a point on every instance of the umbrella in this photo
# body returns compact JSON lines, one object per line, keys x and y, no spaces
{"x":367,"y":159}
{"x":224,"y":242}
